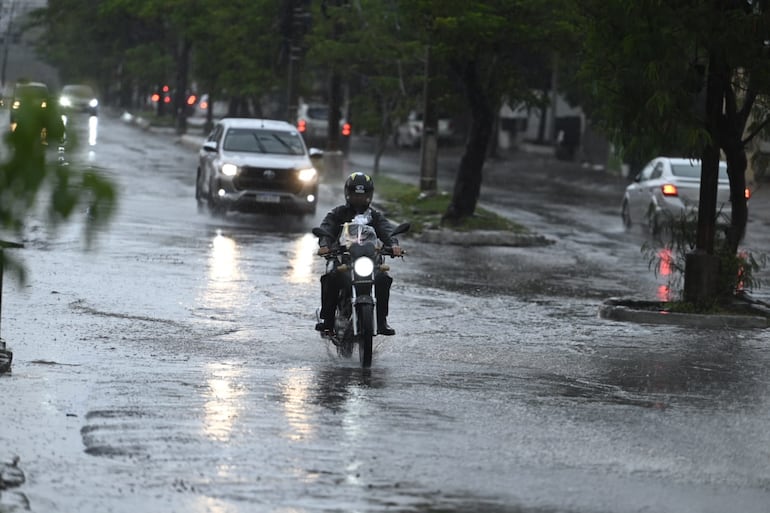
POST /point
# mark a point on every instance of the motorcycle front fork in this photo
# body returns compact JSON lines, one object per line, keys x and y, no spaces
{"x":354,"y":310}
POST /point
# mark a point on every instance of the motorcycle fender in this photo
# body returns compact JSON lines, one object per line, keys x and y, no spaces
{"x":360,"y":300}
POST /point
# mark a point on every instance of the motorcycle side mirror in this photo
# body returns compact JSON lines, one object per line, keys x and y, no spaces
{"x":402,"y":228}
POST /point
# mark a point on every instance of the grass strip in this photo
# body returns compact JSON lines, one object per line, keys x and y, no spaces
{"x":402,"y":202}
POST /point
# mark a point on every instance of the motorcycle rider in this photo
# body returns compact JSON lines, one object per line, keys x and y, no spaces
{"x":359,"y":189}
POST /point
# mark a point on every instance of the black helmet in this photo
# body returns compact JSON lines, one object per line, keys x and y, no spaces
{"x":359,"y":189}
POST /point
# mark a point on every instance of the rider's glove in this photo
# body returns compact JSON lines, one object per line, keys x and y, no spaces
{"x":396,"y":251}
{"x":323,"y":250}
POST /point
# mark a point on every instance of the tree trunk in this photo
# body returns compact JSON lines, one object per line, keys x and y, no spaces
{"x":335,"y":105}
{"x":736,"y":169}
{"x":467,"y":186}
{"x":208,"y":125}
{"x":731,"y":141}
{"x":180,"y":93}
{"x":543,"y":120}
{"x":699,"y":277}
{"x":715,"y":94}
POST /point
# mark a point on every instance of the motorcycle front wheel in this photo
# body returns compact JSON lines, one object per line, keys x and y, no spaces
{"x":365,"y":334}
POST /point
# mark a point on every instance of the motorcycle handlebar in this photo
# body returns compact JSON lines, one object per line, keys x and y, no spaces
{"x":388,"y":250}
{"x":385,"y":250}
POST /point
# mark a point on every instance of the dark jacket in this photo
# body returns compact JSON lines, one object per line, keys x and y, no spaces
{"x":338,"y":216}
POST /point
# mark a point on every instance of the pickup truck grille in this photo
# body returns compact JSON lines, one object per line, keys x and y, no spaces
{"x":267,"y":179}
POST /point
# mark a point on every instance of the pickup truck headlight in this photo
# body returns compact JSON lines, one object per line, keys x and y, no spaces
{"x":229,"y":169}
{"x":307,"y":175}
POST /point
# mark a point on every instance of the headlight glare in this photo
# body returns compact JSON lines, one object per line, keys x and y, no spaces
{"x":363,"y":266}
{"x":307,"y":175}
{"x":229,"y":169}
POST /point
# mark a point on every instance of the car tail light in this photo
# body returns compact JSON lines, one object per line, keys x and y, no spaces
{"x":301,"y":125}
{"x":346,"y":129}
{"x":669,"y":189}
{"x":747,"y":193}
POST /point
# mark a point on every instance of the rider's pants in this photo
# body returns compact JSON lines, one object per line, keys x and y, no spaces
{"x":333,"y":283}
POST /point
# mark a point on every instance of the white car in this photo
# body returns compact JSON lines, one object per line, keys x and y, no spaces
{"x":409,"y":133}
{"x":668,"y":188}
{"x":256,"y":165}
{"x":79,"y":98}
{"x":313,"y":124}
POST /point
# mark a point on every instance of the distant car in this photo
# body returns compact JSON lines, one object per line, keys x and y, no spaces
{"x":79,"y":98}
{"x":670,"y":188}
{"x":29,"y":97}
{"x":256,"y":165}
{"x":313,"y":124}
{"x":201,"y":106}
{"x":409,"y":133}
{"x":31,"y":104}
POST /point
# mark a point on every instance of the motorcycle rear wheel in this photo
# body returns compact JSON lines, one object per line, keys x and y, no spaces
{"x":365,"y":334}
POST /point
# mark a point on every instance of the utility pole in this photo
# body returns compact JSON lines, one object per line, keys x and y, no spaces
{"x":297,"y":26}
{"x":429,"y":139}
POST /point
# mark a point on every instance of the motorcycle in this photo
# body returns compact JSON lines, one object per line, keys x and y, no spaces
{"x":360,"y":254}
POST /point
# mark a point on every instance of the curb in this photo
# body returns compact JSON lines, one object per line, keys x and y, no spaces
{"x":652,"y":312}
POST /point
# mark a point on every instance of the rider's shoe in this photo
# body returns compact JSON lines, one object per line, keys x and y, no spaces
{"x":384,"y":329}
{"x":319,"y":326}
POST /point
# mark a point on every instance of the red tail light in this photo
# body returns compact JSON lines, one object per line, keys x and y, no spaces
{"x":192,"y":99}
{"x":346,"y":129}
{"x":301,"y":125}
{"x":155,"y":97}
{"x":669,"y":189}
{"x":747,"y":193}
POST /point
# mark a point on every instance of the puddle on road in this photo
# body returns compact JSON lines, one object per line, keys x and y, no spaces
{"x":707,"y":375}
{"x":600,"y":392}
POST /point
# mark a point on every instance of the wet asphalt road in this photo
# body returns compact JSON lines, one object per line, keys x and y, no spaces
{"x":174,"y":368}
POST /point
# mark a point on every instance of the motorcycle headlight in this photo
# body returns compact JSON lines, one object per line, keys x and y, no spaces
{"x":363,"y":266}
{"x":307,"y":175}
{"x":229,"y":169}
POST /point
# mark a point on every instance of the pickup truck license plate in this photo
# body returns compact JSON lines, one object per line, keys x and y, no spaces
{"x":268,"y":198}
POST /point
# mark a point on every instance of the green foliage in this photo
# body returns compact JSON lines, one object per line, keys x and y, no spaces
{"x":34,"y":182}
{"x":675,"y":238}
{"x":657,"y":53}
{"x":371,"y":46}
